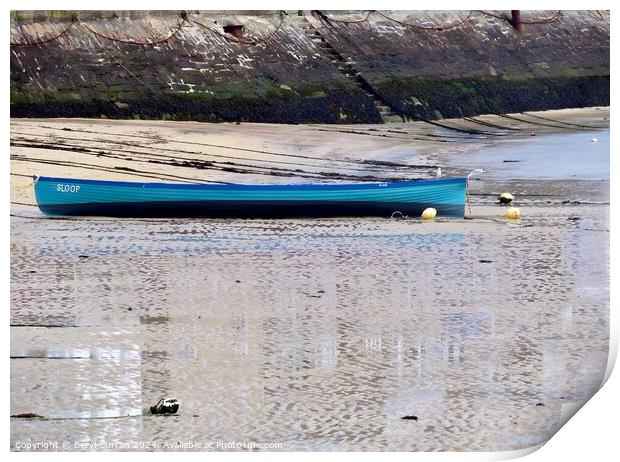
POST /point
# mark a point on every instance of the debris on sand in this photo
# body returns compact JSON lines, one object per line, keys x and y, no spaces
{"x":505,"y":198}
{"x":28,"y":415}
{"x":165,"y":406}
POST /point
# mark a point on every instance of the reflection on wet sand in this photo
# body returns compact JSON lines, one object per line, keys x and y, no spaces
{"x":320,"y":335}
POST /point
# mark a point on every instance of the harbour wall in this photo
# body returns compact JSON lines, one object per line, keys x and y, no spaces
{"x":305,"y":66}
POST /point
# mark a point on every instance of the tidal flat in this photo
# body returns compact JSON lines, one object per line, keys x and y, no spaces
{"x":313,"y":334}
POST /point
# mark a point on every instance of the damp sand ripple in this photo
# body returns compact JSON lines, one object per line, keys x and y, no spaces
{"x":317,"y":334}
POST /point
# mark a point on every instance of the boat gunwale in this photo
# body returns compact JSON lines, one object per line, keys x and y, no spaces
{"x":265,"y":187}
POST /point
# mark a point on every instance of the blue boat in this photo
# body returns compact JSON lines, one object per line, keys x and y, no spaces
{"x":68,"y":196}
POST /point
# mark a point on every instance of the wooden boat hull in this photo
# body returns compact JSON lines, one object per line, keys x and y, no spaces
{"x":65,"y":196}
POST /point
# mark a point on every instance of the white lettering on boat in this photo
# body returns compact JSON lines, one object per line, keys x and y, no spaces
{"x":61,"y":187}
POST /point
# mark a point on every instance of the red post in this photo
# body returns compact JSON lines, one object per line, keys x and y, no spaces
{"x":516,"y":19}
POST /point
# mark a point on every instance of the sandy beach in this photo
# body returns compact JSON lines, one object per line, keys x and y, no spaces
{"x":313,"y":334}
{"x":265,"y":153}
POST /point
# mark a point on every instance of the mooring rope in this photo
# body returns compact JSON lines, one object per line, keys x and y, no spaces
{"x":435,"y":28}
{"x":548,"y":20}
{"x":417,"y":26}
{"x":496,"y":16}
{"x":467,"y":196}
{"x":596,"y":14}
{"x":439,"y":28}
{"x":180,"y":24}
{"x":76,"y":20}
{"x":353,"y":21}
{"x":118,"y":60}
{"x":184,"y":21}
{"x":473,"y":172}
{"x":51,"y":39}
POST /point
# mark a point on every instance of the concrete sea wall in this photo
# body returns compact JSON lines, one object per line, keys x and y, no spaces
{"x":302,"y":66}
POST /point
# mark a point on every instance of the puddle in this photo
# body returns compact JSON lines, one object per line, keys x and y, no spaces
{"x":550,"y":156}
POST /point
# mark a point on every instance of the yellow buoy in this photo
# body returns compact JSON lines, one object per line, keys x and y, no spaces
{"x":512,"y":213}
{"x":429,"y":213}
{"x":505,"y":198}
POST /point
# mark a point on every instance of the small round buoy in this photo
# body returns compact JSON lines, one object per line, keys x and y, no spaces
{"x":429,"y":213}
{"x":512,"y":213}
{"x":594,"y":140}
{"x":505,"y":198}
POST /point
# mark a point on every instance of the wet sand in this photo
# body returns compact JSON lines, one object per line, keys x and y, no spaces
{"x":266,"y":153}
{"x":313,"y":334}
